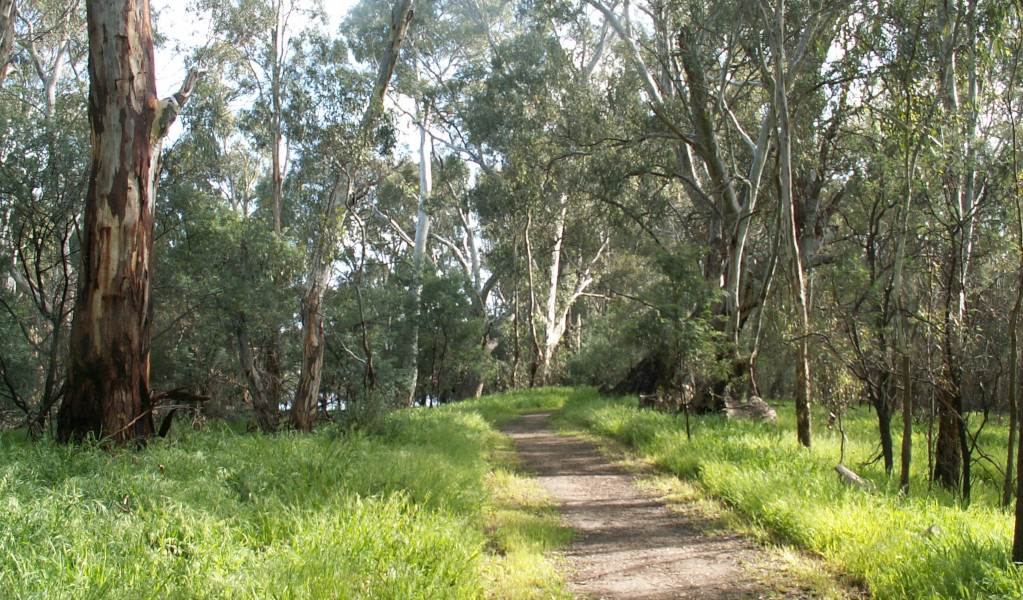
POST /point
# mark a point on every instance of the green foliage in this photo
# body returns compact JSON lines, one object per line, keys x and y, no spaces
{"x":216,"y":268}
{"x":921,"y":546}
{"x":450,"y":353}
{"x":606,"y":354}
{"x":44,"y":165}
{"x":671,"y":313}
{"x":399,"y":513}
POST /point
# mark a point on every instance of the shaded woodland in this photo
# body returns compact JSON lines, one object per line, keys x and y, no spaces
{"x":815,"y":201}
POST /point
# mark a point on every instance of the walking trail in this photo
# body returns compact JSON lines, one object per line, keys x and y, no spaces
{"x":628,"y":545}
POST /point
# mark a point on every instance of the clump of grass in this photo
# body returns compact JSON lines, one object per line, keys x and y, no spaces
{"x":921,"y":546}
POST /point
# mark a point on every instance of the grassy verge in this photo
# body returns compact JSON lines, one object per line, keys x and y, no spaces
{"x":524,"y":531}
{"x":923,"y":546}
{"x":523,"y":528}
{"x":406,"y":512}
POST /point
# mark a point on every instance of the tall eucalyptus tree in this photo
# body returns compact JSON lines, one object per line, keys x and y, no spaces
{"x":108,"y":393}
{"x":345,"y":187}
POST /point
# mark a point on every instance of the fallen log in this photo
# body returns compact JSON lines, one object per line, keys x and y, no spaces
{"x":849,"y":478}
{"x":754,"y":408}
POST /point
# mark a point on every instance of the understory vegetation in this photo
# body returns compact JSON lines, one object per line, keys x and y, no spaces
{"x":424,"y":504}
{"x":924,"y":545}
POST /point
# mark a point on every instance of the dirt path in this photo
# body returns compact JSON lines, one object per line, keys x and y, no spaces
{"x":628,"y":545}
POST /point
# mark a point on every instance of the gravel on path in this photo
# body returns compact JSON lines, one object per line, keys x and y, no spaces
{"x":628,"y":545}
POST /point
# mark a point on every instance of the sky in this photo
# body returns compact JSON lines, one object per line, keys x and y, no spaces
{"x":185,"y":31}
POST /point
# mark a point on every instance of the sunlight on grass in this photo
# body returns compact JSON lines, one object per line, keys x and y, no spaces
{"x":524,"y":529}
{"x":405,"y":511}
{"x":503,"y":407}
{"x":885,"y":541}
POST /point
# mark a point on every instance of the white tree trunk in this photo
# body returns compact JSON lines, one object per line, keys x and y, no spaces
{"x":6,"y":36}
{"x":419,"y":249}
{"x":552,"y":331}
{"x":776,"y":33}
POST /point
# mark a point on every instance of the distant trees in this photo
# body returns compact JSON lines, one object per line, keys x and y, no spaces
{"x":43,"y":174}
{"x":880,"y":182}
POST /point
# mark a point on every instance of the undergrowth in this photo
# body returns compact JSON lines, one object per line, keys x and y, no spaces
{"x":922,"y":546}
{"x":405,"y":511}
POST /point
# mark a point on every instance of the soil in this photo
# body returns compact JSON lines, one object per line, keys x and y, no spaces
{"x":628,"y":544}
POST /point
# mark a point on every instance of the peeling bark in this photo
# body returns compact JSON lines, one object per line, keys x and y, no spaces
{"x":303,"y":411}
{"x":108,"y":393}
{"x":7,"y":10}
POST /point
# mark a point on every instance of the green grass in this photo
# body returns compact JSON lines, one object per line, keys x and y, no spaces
{"x":415,"y":509}
{"x":523,"y":528}
{"x":503,"y":407}
{"x":794,"y":497}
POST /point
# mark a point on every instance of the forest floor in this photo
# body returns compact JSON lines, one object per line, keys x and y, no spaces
{"x":631,"y":544}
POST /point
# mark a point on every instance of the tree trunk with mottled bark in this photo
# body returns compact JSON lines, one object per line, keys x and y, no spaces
{"x":7,"y":10}
{"x":303,"y":411}
{"x":108,"y":394}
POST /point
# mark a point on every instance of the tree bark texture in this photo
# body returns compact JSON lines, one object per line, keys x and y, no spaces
{"x":6,"y":36}
{"x":303,"y":410}
{"x":1014,"y":383}
{"x":948,"y":458}
{"x":108,"y":392}
{"x":884,"y":427}
{"x":907,"y":424}
{"x":1017,"y":538}
{"x":1010,"y":463}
